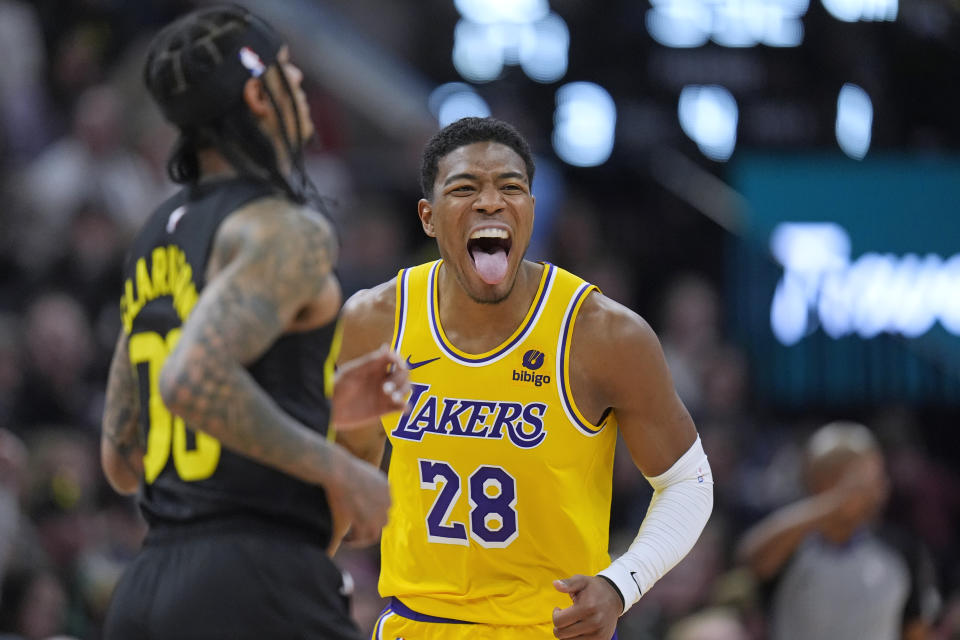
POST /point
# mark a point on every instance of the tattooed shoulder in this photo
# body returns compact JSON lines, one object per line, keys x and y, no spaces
{"x":294,"y":239}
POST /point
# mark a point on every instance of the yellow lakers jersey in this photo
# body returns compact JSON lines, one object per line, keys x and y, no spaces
{"x":500,"y":485}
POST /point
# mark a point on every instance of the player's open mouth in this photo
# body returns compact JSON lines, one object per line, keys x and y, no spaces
{"x":490,"y":247}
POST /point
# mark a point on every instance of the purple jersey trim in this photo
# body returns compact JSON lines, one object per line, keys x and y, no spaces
{"x":406,"y":612}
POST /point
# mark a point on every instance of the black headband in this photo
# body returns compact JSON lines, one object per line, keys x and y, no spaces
{"x":245,"y":52}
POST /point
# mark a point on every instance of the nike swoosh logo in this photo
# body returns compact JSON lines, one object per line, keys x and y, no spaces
{"x":414,"y":365}
{"x":633,"y":574}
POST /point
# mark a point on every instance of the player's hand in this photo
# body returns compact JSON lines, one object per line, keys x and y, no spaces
{"x":594,"y":612}
{"x":361,"y":497}
{"x":368,"y":387}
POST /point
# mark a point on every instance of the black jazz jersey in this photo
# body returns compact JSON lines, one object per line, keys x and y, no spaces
{"x":188,"y":476}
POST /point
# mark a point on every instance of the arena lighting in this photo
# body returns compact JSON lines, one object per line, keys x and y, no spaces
{"x":544,"y":57}
{"x":495,"y":33}
{"x":729,"y":23}
{"x":862,"y":10}
{"x":584,"y":124}
{"x":876,"y":293}
{"x":473,"y":56}
{"x":454,"y":100}
{"x":854,"y":121}
{"x":498,"y":11}
{"x":708,"y":115}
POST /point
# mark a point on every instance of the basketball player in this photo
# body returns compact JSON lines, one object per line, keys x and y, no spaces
{"x":522,"y":376}
{"x":226,"y":358}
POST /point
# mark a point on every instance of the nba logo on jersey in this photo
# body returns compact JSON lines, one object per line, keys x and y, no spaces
{"x":174,"y":219}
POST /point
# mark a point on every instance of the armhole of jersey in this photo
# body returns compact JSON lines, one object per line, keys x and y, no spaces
{"x":563,"y":364}
{"x":400,"y":309}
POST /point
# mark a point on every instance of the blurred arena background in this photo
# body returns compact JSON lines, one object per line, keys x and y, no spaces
{"x":773,"y":184}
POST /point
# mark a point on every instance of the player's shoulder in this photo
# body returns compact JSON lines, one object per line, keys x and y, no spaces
{"x":275,"y":218}
{"x":372,"y":309}
{"x":604,"y":324}
{"x":289,"y":237}
{"x":381,"y":298}
{"x":616,"y":350}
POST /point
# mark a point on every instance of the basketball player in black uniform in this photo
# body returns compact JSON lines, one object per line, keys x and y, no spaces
{"x":217,"y":409}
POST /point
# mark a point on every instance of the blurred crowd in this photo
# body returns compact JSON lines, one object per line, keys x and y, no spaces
{"x":83,"y":163}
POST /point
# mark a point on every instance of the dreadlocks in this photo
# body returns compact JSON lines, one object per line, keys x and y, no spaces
{"x":196,"y":69}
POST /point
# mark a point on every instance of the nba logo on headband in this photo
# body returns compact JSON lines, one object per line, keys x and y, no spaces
{"x":250,"y":59}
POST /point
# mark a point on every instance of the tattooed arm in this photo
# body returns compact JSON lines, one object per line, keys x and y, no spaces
{"x":121,"y":443}
{"x":271,"y":262}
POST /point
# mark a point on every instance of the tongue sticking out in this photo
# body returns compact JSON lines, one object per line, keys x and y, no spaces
{"x":492,"y":267}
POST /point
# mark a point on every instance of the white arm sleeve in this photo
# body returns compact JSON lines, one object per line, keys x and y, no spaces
{"x":679,"y":510}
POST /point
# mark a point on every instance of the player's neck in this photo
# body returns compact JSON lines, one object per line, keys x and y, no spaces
{"x":213,"y":166}
{"x":477,"y":327}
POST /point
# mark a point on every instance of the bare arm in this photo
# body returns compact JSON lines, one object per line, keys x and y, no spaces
{"x":836,"y":513}
{"x":276,"y":260}
{"x":617,"y":364}
{"x":121,"y":440}
{"x":620,"y":365}
{"x":768,"y":545}
{"x":367,"y":323}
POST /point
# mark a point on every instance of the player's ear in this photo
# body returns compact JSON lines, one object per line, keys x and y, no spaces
{"x":256,"y":98}
{"x":425,"y":211}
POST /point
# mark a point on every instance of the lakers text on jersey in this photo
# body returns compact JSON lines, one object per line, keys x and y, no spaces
{"x":500,"y":484}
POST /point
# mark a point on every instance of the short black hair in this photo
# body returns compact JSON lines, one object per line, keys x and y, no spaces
{"x":468,"y":131}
